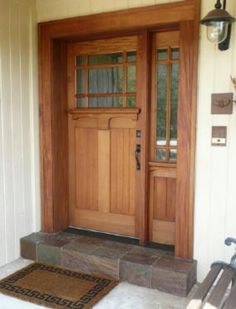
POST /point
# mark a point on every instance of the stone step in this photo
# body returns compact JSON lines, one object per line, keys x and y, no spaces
{"x":147,"y":267}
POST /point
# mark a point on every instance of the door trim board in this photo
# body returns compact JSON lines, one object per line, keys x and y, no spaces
{"x":53,"y":111}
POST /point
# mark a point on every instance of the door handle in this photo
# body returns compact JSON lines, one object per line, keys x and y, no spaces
{"x":137,"y":156}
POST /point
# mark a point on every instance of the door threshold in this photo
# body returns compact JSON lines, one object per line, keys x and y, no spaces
{"x":119,"y":238}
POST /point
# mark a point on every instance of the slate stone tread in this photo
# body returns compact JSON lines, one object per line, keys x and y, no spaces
{"x":148,"y":267}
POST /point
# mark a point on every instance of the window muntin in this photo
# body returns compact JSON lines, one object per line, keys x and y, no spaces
{"x":167,"y":90}
{"x":105,"y":80}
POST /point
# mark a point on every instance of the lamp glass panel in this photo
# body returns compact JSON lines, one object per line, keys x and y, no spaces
{"x":217,"y":31}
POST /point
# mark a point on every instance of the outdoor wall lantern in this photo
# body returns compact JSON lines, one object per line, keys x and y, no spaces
{"x":218,"y":22}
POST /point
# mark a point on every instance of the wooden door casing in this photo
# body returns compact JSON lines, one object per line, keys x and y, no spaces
{"x":53,"y":38}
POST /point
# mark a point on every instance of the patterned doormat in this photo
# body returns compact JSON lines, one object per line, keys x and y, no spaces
{"x":55,"y":287}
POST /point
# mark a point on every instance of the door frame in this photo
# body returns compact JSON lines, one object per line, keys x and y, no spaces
{"x":53,"y":38}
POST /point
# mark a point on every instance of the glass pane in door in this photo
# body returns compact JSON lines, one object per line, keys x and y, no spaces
{"x":161,"y":104}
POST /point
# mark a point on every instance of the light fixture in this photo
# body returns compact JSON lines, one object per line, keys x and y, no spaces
{"x":218,"y":22}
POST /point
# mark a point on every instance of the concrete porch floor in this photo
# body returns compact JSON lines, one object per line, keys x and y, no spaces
{"x":124,"y":296}
{"x":142,"y":266}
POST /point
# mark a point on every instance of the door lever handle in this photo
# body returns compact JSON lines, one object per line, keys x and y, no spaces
{"x":137,"y":156}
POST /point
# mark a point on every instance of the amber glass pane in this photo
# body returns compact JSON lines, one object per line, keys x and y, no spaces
{"x":105,"y":59}
{"x":131,"y":78}
{"x":162,"y":54}
{"x":105,"y":80}
{"x":175,"y":53}
{"x":174,"y":101}
{"x":105,"y":102}
{"x":80,"y":80}
{"x":131,"y":101}
{"x":161,"y":104}
{"x":161,"y":154}
{"x":131,"y":56}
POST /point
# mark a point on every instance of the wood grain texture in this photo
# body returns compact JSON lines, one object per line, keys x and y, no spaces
{"x":104,"y":26}
{"x":123,"y":171}
{"x":104,"y":175}
{"x":86,"y":168}
{"x":143,"y":97}
{"x":131,"y":19}
{"x":53,"y":137}
{"x":162,"y":174}
{"x":60,"y":137}
{"x":163,"y":232}
{"x":164,"y":199}
{"x":105,"y":222}
{"x":162,"y":205}
{"x":46,"y":148}
{"x":96,"y":47}
{"x":102,"y":172}
{"x":159,"y":198}
{"x":104,"y":166}
{"x":186,"y":141}
{"x":162,"y":40}
{"x":208,"y":282}
{"x":231,"y":301}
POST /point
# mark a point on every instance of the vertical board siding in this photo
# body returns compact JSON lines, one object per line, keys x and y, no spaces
{"x":215,"y":199}
{"x":56,"y":9}
{"x":18,"y":127}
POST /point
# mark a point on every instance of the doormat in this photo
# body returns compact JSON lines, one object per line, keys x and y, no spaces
{"x":55,"y":287}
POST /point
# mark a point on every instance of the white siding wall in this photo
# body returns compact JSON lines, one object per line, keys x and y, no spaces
{"x":56,"y":9}
{"x":215,"y":202}
{"x":19,"y":181}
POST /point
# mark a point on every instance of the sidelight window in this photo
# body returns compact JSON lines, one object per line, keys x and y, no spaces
{"x":166,"y":104}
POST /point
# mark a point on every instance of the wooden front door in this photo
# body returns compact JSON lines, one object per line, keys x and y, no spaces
{"x":102,"y":135}
{"x":156,"y":178}
{"x":164,"y":136}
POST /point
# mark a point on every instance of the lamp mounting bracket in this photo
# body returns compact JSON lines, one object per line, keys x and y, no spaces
{"x":218,"y":4}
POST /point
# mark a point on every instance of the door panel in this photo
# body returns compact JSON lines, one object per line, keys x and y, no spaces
{"x":102,"y":135}
{"x":164,"y":198}
{"x":164,"y":142}
{"x":86,"y":168}
{"x":102,"y":164}
{"x":162,"y":205}
{"x":123,"y":171}
{"x":102,"y":77}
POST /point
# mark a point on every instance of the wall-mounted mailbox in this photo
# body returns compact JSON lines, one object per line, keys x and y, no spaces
{"x":219,"y":136}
